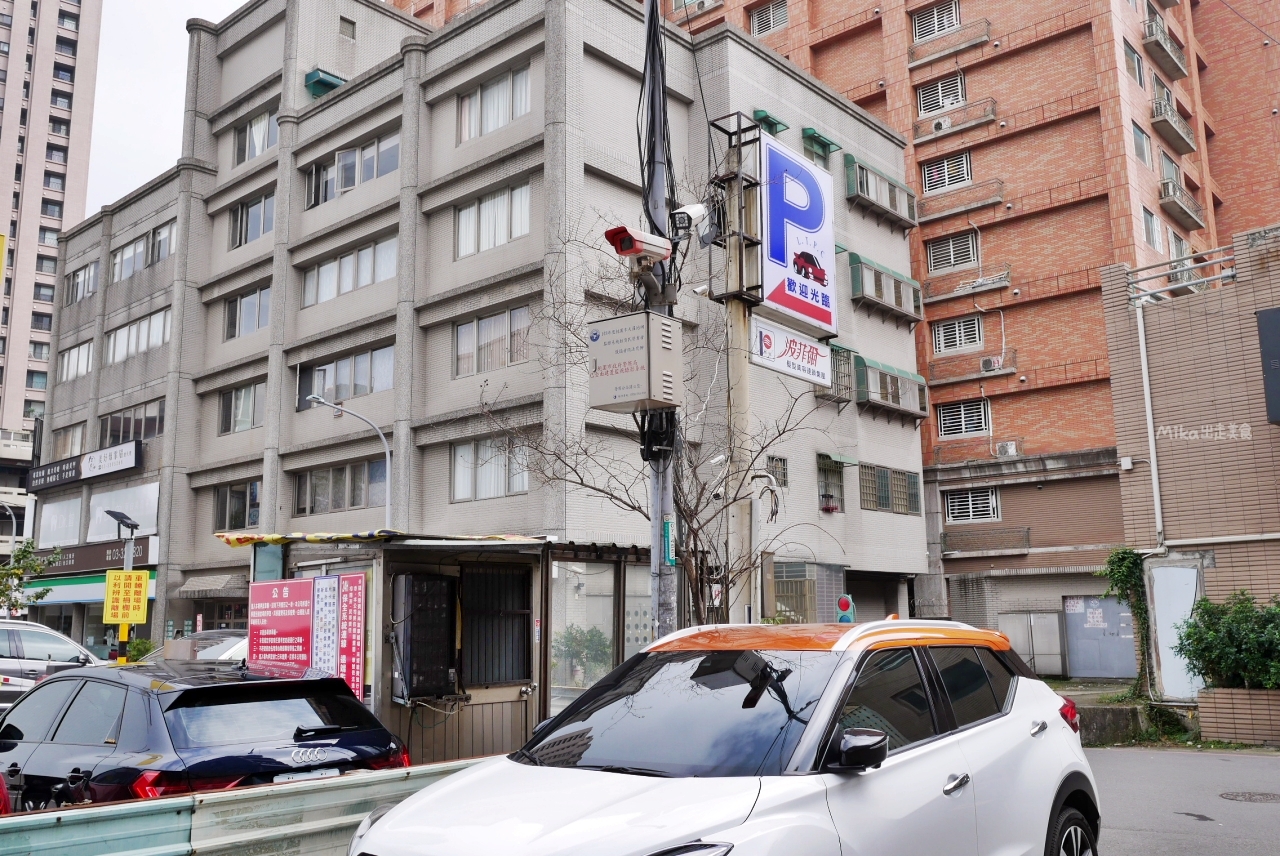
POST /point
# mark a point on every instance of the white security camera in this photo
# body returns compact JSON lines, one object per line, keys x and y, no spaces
{"x":639,"y":246}
{"x":685,"y":221}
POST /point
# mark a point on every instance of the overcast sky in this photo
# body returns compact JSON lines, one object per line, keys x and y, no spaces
{"x":142,"y":71}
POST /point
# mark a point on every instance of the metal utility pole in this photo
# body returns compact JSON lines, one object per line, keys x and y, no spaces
{"x":738,"y":184}
{"x":658,"y":428}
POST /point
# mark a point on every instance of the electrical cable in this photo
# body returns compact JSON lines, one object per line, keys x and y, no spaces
{"x":1242,"y":17}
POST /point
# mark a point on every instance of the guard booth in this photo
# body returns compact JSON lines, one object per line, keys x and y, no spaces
{"x":468,"y":642}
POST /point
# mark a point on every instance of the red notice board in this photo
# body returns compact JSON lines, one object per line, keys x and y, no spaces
{"x":280,"y":623}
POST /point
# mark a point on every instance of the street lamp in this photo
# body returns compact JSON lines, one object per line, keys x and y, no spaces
{"x":386,"y":449}
{"x":132,"y":525}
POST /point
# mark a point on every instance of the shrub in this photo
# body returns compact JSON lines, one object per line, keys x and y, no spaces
{"x":139,"y":648}
{"x":1234,"y":644}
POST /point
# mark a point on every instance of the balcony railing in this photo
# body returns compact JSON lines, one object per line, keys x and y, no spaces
{"x":879,"y":289}
{"x":968,"y":115}
{"x":967,"y":35}
{"x":1179,"y":204}
{"x":968,"y":198}
{"x":842,"y":389}
{"x":1170,"y":125}
{"x":1164,"y":51}
{"x":1003,"y":541}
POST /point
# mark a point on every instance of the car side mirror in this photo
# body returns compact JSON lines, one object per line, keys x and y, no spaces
{"x":856,"y":750}
{"x":82,"y":660}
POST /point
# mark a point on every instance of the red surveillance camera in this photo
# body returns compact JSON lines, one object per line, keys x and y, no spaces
{"x":632,"y":242}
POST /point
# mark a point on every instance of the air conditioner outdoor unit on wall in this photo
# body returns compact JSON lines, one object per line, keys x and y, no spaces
{"x":1007,"y":449}
{"x":941,"y":124}
{"x":992,"y":364}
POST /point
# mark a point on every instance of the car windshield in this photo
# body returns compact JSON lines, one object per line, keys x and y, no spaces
{"x":689,"y":713}
{"x":273,"y":714}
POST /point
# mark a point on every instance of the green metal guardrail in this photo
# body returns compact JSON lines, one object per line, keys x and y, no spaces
{"x":307,"y":817}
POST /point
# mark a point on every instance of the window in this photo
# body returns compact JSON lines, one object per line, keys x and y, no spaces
{"x":94,"y":717}
{"x":61,"y":100}
{"x":252,"y":219}
{"x":1162,"y":92}
{"x":61,"y":127}
{"x":956,"y":333}
{"x":43,"y":293}
{"x":128,"y":260}
{"x":68,"y":21}
{"x":6,"y":20}
{"x":1169,"y":169}
{"x":884,"y":489}
{"x":236,"y":506}
{"x":356,"y":269}
{"x":1151,"y":230}
{"x":75,"y":362}
{"x":37,"y":380}
{"x":248,"y":313}
{"x":965,"y":679}
{"x":242,"y":408}
{"x":967,"y":506}
{"x":488,"y":343}
{"x":947,"y":172}
{"x":818,"y":149}
{"x":493,"y":105}
{"x":82,"y":283}
{"x":359,"y":485}
{"x":164,"y":241}
{"x":68,"y":442}
{"x":957,"y":251}
{"x":1179,"y":248}
{"x":41,"y":321}
{"x":998,"y":674}
{"x":1142,"y":144}
{"x":777,"y":467}
{"x":32,"y":409}
{"x":889,"y":696}
{"x":50,"y":208}
{"x":1133,"y":63}
{"x":935,"y":20}
{"x":962,"y":418}
{"x":830,"y":484}
{"x":348,"y":377}
{"x":493,"y":220}
{"x":35,"y":350}
{"x":142,"y":422}
{"x":328,"y":179}
{"x":769,"y":18}
{"x":55,"y":154}
{"x":347,"y":28}
{"x":488,"y":468}
{"x":140,"y":336}
{"x":941,"y":94}
{"x":55,"y":181}
{"x":46,"y":264}
{"x":254,"y":137}
{"x":48,"y":237}
{"x":65,"y":73}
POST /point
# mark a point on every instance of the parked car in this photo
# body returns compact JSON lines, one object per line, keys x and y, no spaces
{"x":806,"y":265}
{"x":31,"y":652}
{"x":155,"y":729}
{"x":892,"y":737}
{"x":230,"y":645}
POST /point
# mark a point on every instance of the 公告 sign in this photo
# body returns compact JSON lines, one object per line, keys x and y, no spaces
{"x":790,"y":353}
{"x":797,"y":223}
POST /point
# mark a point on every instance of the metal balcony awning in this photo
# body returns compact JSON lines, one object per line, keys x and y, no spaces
{"x":215,"y":586}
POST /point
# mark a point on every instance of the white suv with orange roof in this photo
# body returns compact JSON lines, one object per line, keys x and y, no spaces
{"x":919,"y":738}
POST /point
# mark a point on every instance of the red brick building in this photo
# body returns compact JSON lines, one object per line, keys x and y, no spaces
{"x":1046,"y":140}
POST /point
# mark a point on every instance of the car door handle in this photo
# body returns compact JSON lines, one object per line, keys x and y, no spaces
{"x":32,"y":672}
{"x":1037,"y":727}
{"x":955,"y":783}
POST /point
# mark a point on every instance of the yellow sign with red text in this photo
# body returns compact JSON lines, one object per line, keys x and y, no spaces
{"x":126,"y":599}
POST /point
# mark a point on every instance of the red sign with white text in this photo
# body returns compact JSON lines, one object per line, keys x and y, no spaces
{"x":351,"y":632}
{"x":280,"y":623}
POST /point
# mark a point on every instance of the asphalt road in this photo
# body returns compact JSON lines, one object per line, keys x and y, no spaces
{"x":1167,"y":802}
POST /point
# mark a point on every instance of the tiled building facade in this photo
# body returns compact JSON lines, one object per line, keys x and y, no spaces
{"x":348,"y":224}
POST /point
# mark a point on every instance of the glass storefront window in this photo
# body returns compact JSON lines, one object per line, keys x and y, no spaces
{"x":637,"y":628}
{"x":582,"y":622}
{"x":95,"y":632}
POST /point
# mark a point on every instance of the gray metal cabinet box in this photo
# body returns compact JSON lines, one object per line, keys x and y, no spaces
{"x":635,"y":362}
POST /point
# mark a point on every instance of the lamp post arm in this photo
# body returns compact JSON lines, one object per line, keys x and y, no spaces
{"x":386,"y":447}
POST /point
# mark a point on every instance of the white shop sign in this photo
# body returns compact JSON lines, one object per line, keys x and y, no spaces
{"x":790,"y":353}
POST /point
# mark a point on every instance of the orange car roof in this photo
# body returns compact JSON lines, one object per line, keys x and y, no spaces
{"x":827,"y":637}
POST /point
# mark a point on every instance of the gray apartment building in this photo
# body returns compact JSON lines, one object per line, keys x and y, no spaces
{"x":48,"y":71}
{"x":406,"y":220}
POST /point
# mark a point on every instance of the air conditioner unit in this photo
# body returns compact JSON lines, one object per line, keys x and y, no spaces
{"x":941,"y":124}
{"x":1007,"y":449}
{"x":992,"y":364}
{"x":703,"y":4}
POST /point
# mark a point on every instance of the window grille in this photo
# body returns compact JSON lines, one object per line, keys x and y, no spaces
{"x":956,"y":333}
{"x":766,"y":19}
{"x":941,"y":94}
{"x":935,"y":20}
{"x":777,"y":467}
{"x":947,"y":172}
{"x":830,"y":484}
{"x":963,"y":417}
{"x":966,"y":506}
{"x":952,"y":252}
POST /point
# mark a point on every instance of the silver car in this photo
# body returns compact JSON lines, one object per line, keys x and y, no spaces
{"x":30,"y":652}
